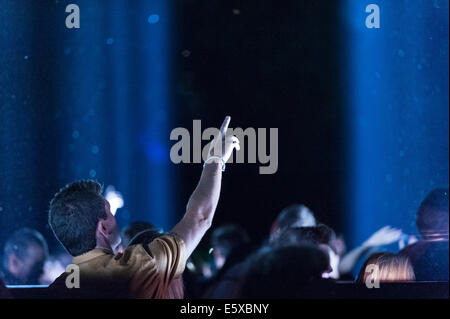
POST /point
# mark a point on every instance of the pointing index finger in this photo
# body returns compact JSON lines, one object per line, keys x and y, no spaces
{"x":224,"y":127}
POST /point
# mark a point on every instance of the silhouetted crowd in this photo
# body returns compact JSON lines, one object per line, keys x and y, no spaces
{"x":299,"y":252}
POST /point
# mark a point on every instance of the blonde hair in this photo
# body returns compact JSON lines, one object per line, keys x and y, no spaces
{"x":390,"y":268}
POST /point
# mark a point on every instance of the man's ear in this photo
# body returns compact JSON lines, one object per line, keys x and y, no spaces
{"x":14,"y":264}
{"x":102,"y":228}
{"x":275,"y":227}
{"x":216,"y":252}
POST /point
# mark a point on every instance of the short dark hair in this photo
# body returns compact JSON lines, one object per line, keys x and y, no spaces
{"x":282,"y":271}
{"x":316,"y":235}
{"x":228,"y":238}
{"x":297,"y":216}
{"x":20,"y":240}
{"x":74,"y":214}
{"x":129,"y":232}
{"x":432,"y":216}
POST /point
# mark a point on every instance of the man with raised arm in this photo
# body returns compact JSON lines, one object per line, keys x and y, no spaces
{"x":80,"y":218}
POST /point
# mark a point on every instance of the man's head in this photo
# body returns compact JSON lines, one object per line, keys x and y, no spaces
{"x":281,"y":272}
{"x":432,"y":216}
{"x":129,"y":232}
{"x":24,"y":255}
{"x":293,"y":216}
{"x":320,"y":236}
{"x":227,"y":239}
{"x":80,"y":218}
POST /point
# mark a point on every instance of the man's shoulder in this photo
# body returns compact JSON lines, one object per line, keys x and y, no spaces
{"x":413,"y":249}
{"x":417,"y":250}
{"x":165,"y":244}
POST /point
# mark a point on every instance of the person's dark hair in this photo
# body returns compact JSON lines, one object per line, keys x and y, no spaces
{"x":74,"y":214}
{"x":228,"y":238}
{"x":316,"y":235}
{"x":432,"y":216}
{"x":296,"y":216}
{"x":145,"y":237}
{"x":19,"y":241}
{"x":282,"y":272}
{"x":133,"y":229}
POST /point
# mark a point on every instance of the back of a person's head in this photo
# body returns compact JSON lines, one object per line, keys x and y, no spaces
{"x":316,"y":235}
{"x":386,"y":267}
{"x":432,"y":216}
{"x":74,"y":214}
{"x":227,"y":238}
{"x":282,"y":272}
{"x":19,"y":242}
{"x":129,"y":232}
{"x":145,"y":237}
{"x":296,"y":216}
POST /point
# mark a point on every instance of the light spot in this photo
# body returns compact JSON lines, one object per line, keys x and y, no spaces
{"x":190,"y":266}
{"x":95,"y":149}
{"x":186,"y":53}
{"x":153,"y":18}
{"x":92,"y":173}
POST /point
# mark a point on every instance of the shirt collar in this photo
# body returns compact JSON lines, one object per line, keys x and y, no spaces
{"x":94,"y":253}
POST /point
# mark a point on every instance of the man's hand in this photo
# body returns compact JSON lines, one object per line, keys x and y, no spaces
{"x":223,"y":145}
{"x":385,"y":236}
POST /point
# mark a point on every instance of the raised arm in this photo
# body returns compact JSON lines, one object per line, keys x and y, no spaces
{"x":203,"y":202}
{"x":383,"y":236}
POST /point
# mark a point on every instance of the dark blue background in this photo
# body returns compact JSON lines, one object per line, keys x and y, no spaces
{"x":362,"y":114}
